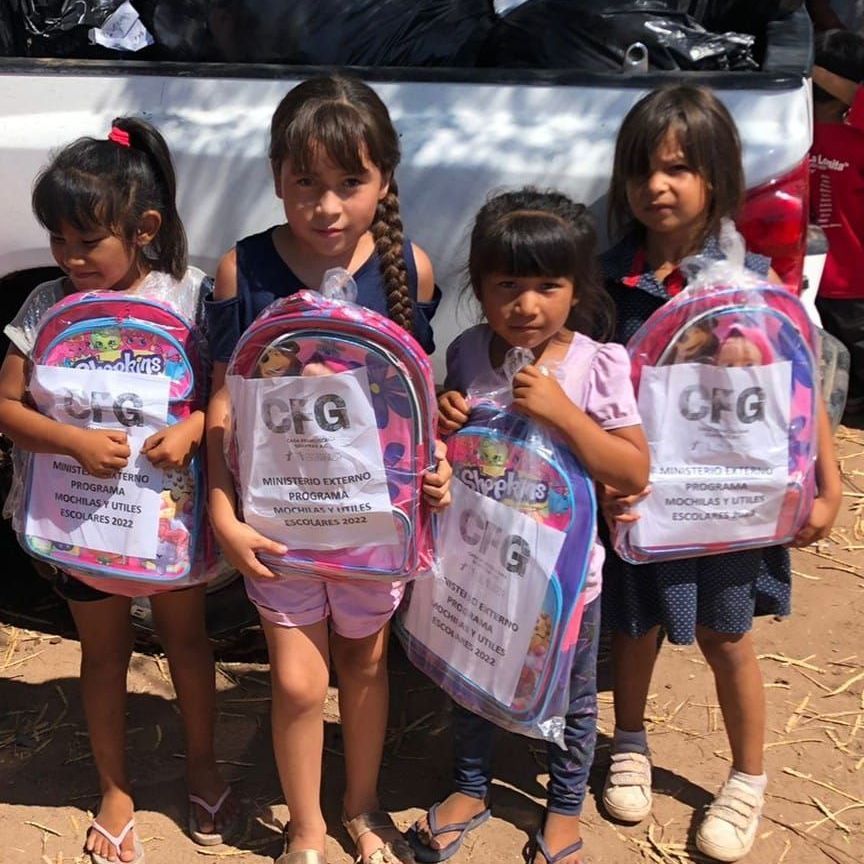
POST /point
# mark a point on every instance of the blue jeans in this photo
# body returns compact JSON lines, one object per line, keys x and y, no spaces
{"x":568,"y":769}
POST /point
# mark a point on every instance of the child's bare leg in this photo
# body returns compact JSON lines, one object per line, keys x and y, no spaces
{"x":179,"y":620}
{"x":633,"y":664}
{"x":105,"y":633}
{"x":741,"y":694}
{"x":299,"y":671}
{"x":361,"y":669}
{"x":627,"y":790}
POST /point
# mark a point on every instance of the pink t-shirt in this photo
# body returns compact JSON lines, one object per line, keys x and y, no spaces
{"x":595,"y":376}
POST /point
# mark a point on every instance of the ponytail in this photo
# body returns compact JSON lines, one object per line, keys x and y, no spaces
{"x":110,"y":183}
{"x":168,"y":251}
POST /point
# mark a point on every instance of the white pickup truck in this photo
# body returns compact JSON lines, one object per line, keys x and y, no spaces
{"x":464,"y":132}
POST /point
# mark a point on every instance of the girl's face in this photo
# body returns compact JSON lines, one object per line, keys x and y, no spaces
{"x":95,"y":259}
{"x":527,"y":311}
{"x":672,"y":198}
{"x":328,"y":208}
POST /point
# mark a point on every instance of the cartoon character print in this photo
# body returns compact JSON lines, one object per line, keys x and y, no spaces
{"x":106,"y":342}
{"x":535,"y":660}
{"x":180,"y":485}
{"x":493,"y":457}
{"x":279,"y":361}
{"x":697,"y":344}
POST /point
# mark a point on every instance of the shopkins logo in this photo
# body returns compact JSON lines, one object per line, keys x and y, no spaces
{"x":495,"y":480}
{"x":127,"y":361}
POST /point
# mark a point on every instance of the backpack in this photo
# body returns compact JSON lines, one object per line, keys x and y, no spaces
{"x":126,"y":334}
{"x":503,"y":655}
{"x":363,"y":521}
{"x":727,"y":379}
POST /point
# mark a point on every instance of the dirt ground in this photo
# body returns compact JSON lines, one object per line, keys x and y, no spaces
{"x":814,"y":676}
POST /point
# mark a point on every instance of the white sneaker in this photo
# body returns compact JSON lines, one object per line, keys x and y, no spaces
{"x":627,"y":791}
{"x":729,"y":828}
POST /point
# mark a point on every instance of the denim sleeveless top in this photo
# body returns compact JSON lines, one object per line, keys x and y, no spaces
{"x":263,"y":276}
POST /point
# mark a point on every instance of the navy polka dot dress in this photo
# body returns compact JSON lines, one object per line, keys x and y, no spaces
{"x":720,"y":592}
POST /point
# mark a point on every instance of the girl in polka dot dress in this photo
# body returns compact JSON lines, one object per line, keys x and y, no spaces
{"x":677,"y":173}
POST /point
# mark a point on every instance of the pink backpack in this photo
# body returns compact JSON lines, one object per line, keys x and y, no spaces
{"x":307,"y":335}
{"x":727,"y":383}
{"x":129,"y":333}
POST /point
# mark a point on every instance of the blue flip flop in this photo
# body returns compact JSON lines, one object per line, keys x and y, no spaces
{"x":427,"y":854}
{"x":539,"y":845}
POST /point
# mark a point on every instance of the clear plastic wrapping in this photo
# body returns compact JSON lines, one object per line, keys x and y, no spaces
{"x":133,"y":362}
{"x":727,"y":382}
{"x":332,"y":428}
{"x":496,"y":628}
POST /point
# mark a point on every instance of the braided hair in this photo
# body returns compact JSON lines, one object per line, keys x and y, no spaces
{"x":347,"y":119}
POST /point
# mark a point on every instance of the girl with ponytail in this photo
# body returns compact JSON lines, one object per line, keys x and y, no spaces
{"x":108,"y":205}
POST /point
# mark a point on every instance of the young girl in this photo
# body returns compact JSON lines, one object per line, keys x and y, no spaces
{"x":529,"y":267}
{"x":333,"y":151}
{"x":109,"y":208}
{"x":677,"y":173}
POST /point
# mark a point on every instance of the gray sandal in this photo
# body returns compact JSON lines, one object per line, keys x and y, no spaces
{"x":391,"y":851}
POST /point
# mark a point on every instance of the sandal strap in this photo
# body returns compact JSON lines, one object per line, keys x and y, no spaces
{"x":540,"y":842}
{"x":451,"y":828}
{"x":109,"y":836}
{"x":364,"y":823}
{"x":211,"y":809}
{"x":303,"y":856}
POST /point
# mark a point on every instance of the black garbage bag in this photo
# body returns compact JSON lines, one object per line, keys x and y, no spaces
{"x":744,"y":16}
{"x":350,"y":32}
{"x":578,"y":34}
{"x":59,"y":28}
{"x":11,"y":31}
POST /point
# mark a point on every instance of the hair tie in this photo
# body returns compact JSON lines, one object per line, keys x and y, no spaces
{"x":119,"y":136}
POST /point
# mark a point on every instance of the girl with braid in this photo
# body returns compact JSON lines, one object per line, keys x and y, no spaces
{"x":333,"y":151}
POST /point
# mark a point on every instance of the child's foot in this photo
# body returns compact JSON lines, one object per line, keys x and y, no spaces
{"x":627,"y":791}
{"x":429,"y":836}
{"x":728,"y":830}
{"x":115,"y":812}
{"x":377,"y":839}
{"x":559,"y":841}
{"x":214,"y":822}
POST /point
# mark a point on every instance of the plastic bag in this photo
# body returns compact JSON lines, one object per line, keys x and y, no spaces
{"x":331,"y":32}
{"x":575,"y":34}
{"x":332,"y":427}
{"x":130,"y":362}
{"x":497,"y":627}
{"x":835,"y":363}
{"x":727,"y":385}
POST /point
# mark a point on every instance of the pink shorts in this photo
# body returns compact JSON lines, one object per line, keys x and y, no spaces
{"x":357,"y":609}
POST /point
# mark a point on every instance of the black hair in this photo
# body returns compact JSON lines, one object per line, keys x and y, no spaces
{"x":708,"y":137}
{"x":531,"y":232}
{"x":840,"y":52}
{"x":347,"y":119}
{"x":100,"y":183}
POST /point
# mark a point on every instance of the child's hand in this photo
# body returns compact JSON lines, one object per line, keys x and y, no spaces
{"x":819,"y":522}
{"x":436,"y":484}
{"x":538,"y":394}
{"x":172,"y":447}
{"x":100,"y":452}
{"x":616,"y":507}
{"x":453,"y":411}
{"x":240,"y":543}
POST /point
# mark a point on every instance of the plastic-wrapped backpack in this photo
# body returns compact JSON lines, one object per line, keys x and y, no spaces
{"x":140,"y":334}
{"x":498,"y":646}
{"x":312,"y":337}
{"x":727,"y":382}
